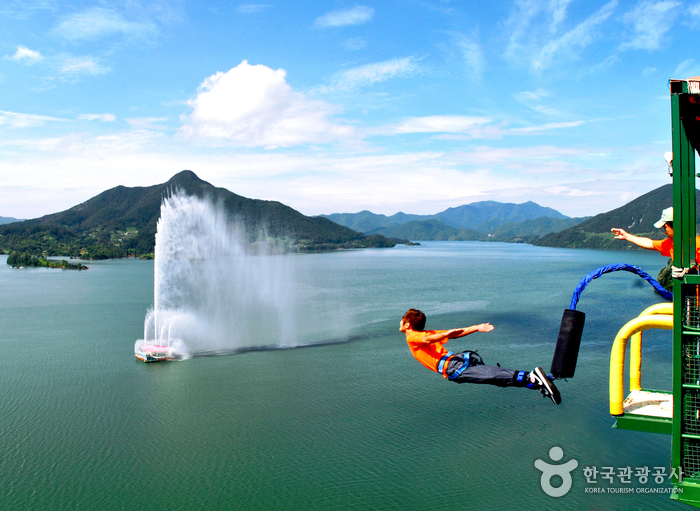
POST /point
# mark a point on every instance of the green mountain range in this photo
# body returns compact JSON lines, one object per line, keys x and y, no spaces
{"x":8,"y":220}
{"x":479,"y":221}
{"x":430,"y":230}
{"x":122,"y":221}
{"x":484,"y":216}
{"x":636,"y":217}
{"x":525,"y":231}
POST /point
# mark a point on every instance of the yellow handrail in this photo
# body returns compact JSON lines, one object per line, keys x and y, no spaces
{"x":617,"y":355}
{"x":636,"y":344}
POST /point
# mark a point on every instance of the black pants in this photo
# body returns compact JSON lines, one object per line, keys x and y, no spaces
{"x":487,"y":375}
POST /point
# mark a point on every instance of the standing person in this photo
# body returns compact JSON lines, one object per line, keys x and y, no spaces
{"x":466,"y":367}
{"x":665,"y":247}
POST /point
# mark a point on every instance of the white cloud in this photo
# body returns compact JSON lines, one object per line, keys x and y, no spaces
{"x":471,"y":53}
{"x":527,"y":25}
{"x":356,"y":16}
{"x":151,"y":123}
{"x":694,"y":11}
{"x":527,"y":96}
{"x":24,"y":9}
{"x":650,"y":21}
{"x":687,"y":69}
{"x":578,"y":38}
{"x":434,"y":124}
{"x":254,"y":106}
{"x":17,"y":120}
{"x":524,"y":158}
{"x":534,"y":100}
{"x":692,"y":19}
{"x":251,"y":8}
{"x":24,"y":54}
{"x":314,"y":182}
{"x":73,"y":66}
{"x":485,"y":131}
{"x":97,"y":117}
{"x":354,"y":43}
{"x":370,"y":74}
{"x":537,"y":32}
{"x":98,"y":22}
{"x":608,"y":63}
{"x":546,"y":127}
{"x":558,"y":8}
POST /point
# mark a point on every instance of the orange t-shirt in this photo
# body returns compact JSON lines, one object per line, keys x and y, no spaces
{"x":427,"y":354}
{"x":666,"y":247}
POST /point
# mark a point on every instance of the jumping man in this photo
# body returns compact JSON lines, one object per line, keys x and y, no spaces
{"x":466,"y":367}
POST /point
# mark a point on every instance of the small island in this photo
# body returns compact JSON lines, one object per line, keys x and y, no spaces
{"x":21,"y":260}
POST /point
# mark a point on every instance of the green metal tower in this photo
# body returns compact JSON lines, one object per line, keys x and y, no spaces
{"x":683,"y":422}
{"x":685,"y":118}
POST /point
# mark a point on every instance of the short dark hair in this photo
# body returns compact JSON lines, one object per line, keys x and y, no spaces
{"x":670,"y":223}
{"x":415,"y":319}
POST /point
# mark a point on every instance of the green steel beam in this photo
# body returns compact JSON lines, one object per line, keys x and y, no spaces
{"x":688,"y":493}
{"x":683,"y":120}
{"x":676,"y":431}
{"x":644,"y":423}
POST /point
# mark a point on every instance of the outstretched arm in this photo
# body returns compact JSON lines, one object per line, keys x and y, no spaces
{"x":640,"y":241}
{"x":456,"y":332}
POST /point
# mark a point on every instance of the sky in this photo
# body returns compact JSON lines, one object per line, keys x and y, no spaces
{"x":336,"y":107}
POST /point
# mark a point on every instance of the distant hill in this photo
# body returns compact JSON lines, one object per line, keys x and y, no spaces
{"x":122,"y":221}
{"x":8,"y":220}
{"x":366,"y":221}
{"x":429,"y":230}
{"x":483,"y":217}
{"x":513,"y":232}
{"x":486,"y":216}
{"x":529,"y":230}
{"x":636,"y":217}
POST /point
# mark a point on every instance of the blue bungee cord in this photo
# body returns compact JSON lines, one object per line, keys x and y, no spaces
{"x":617,"y":267}
{"x":572,"y":321}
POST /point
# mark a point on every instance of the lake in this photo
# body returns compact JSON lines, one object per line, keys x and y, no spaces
{"x":350,"y":422}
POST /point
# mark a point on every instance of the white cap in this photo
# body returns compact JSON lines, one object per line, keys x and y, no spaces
{"x":666,"y":216}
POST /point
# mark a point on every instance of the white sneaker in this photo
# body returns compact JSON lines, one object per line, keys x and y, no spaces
{"x":546,"y":386}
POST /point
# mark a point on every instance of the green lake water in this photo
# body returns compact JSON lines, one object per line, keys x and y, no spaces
{"x":342,"y":425}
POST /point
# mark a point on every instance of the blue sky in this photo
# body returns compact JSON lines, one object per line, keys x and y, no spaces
{"x":328,"y":107}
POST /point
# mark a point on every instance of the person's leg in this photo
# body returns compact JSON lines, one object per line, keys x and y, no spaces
{"x":500,"y":376}
{"x":486,"y":375}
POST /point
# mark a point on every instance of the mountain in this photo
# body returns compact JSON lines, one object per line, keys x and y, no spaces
{"x":483,"y":217}
{"x":486,"y":216}
{"x":122,"y":221}
{"x":366,"y":221}
{"x":512,"y":232}
{"x":8,"y":220}
{"x":636,"y":217}
{"x":429,"y":230}
{"x":528,"y":230}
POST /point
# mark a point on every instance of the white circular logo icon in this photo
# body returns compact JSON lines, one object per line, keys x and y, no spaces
{"x":562,"y":470}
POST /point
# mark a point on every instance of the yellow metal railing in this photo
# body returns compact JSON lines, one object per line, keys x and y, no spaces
{"x":656,"y":316}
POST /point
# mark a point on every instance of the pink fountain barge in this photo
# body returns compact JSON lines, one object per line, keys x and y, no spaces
{"x":155,"y":353}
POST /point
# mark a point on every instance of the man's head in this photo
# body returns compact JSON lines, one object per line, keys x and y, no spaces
{"x":413,"y":320}
{"x":666,"y":216}
{"x":668,"y":229}
{"x":666,"y":222}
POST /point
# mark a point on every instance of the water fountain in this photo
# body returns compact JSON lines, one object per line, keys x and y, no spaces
{"x":213,"y":293}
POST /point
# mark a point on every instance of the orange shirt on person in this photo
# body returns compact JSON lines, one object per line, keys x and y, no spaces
{"x":666,"y":247}
{"x":427,"y":354}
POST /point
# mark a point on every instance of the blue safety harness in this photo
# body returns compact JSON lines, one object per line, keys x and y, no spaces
{"x":441,"y":364}
{"x":471,"y":358}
